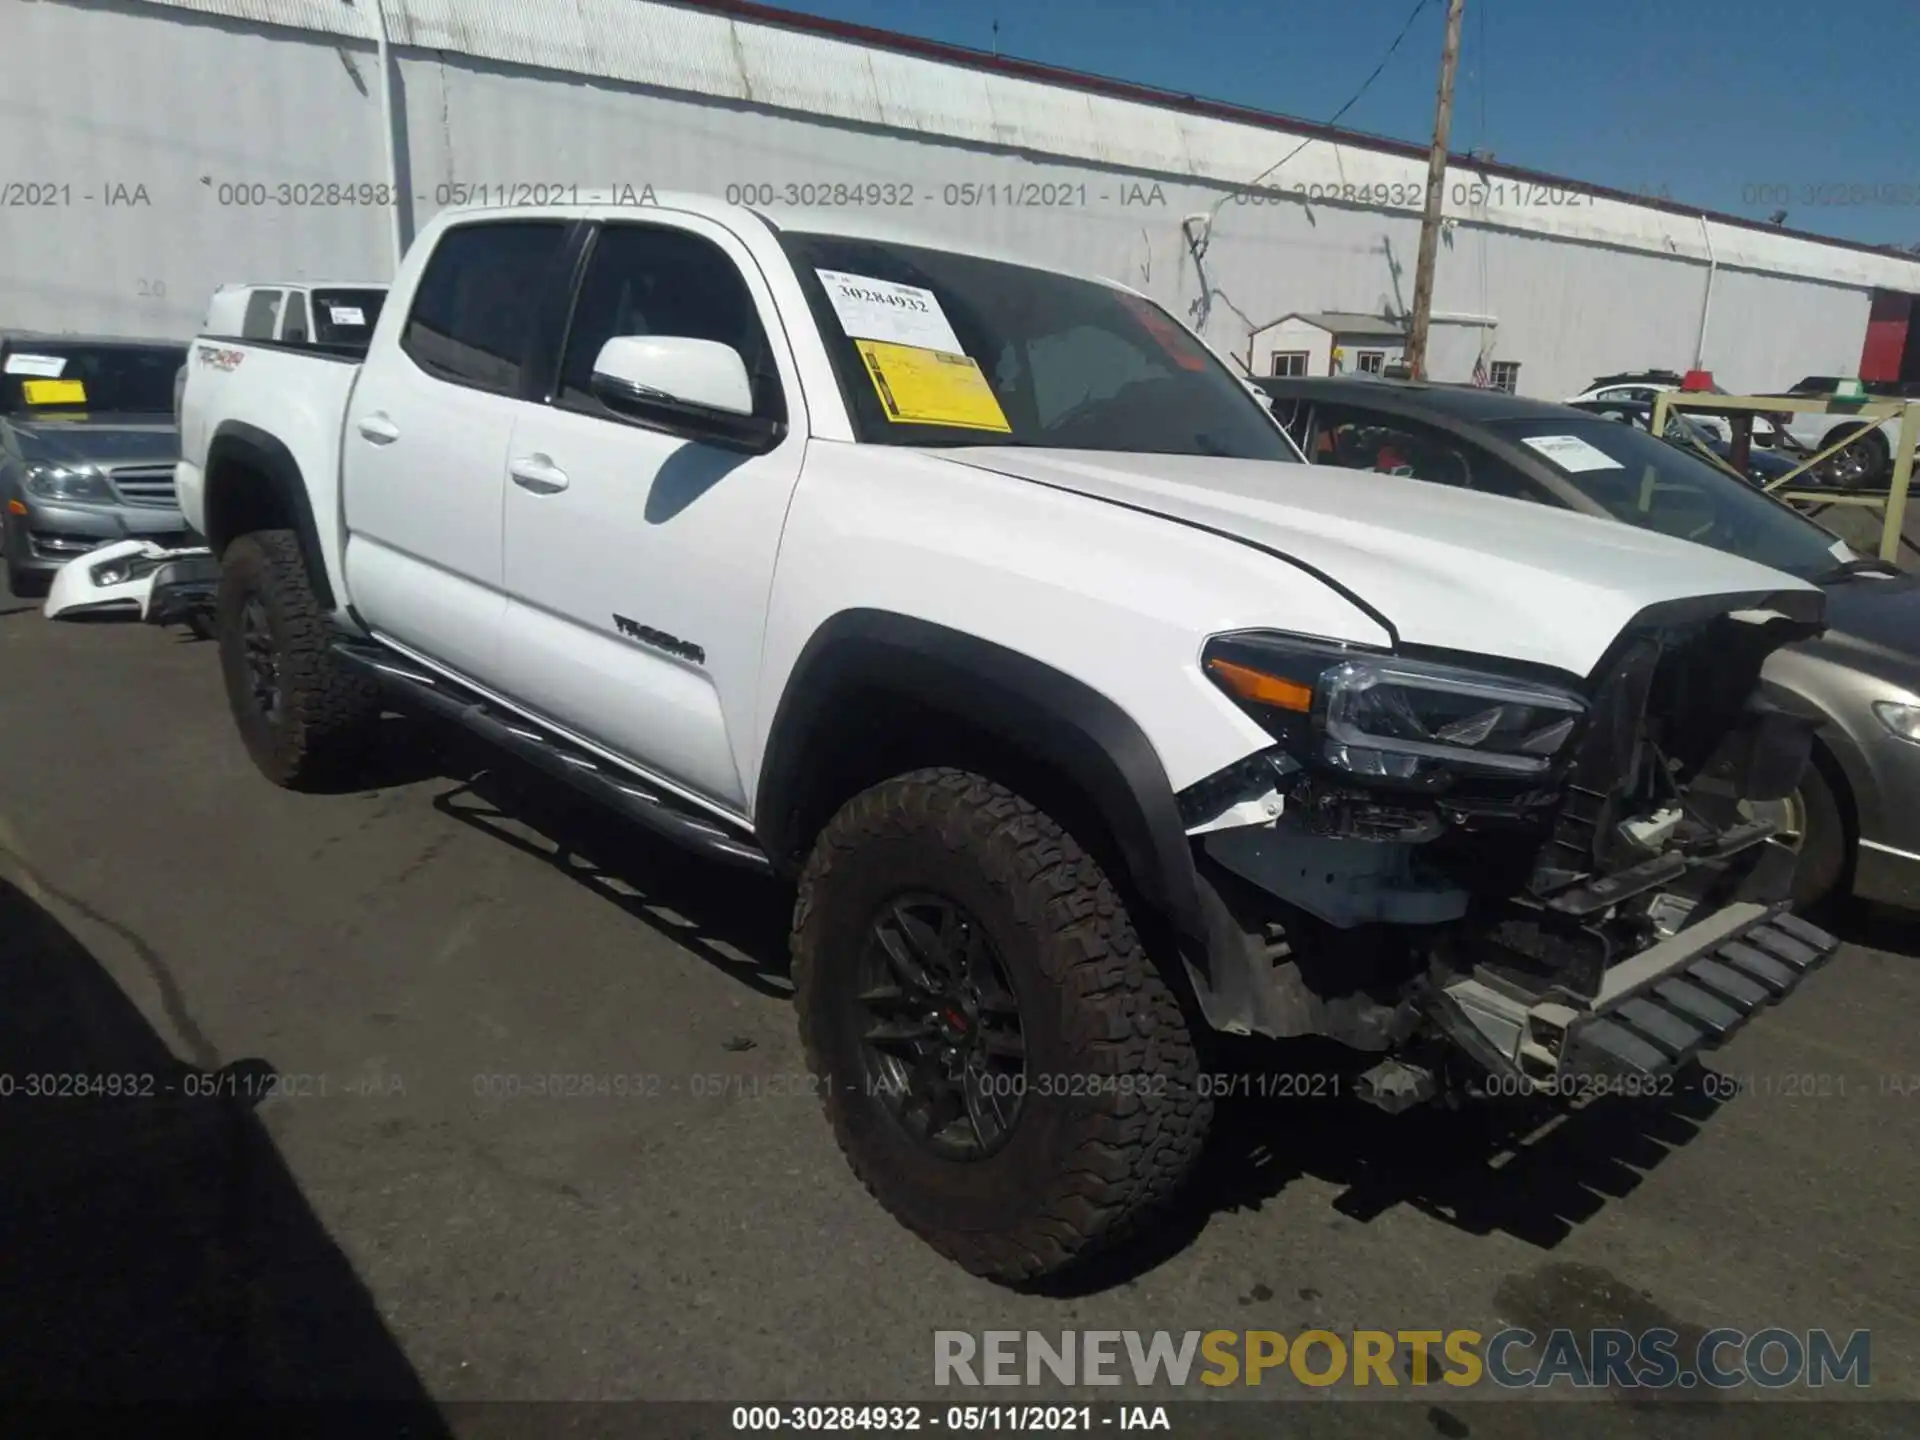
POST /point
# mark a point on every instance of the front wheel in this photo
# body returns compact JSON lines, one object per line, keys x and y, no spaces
{"x":1812,"y":825}
{"x":1004,"y":1067}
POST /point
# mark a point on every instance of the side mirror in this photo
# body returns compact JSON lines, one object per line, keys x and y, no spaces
{"x":695,"y":388}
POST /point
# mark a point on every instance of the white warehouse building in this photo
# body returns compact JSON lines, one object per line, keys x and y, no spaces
{"x":163,"y":147}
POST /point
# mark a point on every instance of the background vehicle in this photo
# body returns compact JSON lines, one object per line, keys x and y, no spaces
{"x":1640,"y":386}
{"x":1794,"y":437}
{"x":87,"y":449}
{"x":1869,"y":460}
{"x":1857,"y":814}
{"x":985,"y":604}
{"x":1763,"y":465}
{"x":298,"y":312}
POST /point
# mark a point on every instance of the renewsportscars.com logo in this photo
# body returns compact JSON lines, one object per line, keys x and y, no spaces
{"x":1511,"y":1359}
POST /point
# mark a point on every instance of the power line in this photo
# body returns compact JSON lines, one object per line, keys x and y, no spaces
{"x":1197,"y":242}
{"x":1365,"y":85}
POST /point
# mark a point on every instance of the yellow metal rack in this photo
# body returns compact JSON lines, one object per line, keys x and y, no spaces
{"x":1742,"y":410}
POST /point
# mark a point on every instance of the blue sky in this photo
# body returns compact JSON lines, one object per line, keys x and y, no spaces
{"x":1741,"y":106}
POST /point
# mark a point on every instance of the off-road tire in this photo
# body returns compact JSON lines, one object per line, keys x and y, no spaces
{"x":1081,"y":1170}
{"x":327,"y":713}
{"x":1822,"y":862}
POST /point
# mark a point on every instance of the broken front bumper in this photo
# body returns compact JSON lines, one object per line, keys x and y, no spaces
{"x":182,"y":588}
{"x":1654,"y":1013}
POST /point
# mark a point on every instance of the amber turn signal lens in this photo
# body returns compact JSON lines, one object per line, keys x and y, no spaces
{"x":16,"y":508}
{"x":1261,"y":688}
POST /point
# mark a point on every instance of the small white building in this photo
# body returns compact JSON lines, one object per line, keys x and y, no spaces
{"x":1333,"y":342}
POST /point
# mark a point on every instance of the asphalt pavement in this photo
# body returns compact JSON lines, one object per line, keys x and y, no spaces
{"x":375,"y":1204}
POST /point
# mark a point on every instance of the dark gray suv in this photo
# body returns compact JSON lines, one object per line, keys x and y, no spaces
{"x":88,"y":442}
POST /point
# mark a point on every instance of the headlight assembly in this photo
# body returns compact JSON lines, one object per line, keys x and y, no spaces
{"x":58,"y":482}
{"x":1903,"y":720}
{"x":1377,"y":715}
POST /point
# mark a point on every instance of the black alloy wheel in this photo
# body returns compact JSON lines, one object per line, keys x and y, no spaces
{"x":941,"y":1027}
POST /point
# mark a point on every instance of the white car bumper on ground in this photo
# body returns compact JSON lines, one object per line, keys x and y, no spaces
{"x":135,"y":580}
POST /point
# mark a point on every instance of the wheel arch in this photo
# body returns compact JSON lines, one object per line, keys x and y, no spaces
{"x":917,"y":693}
{"x":254,"y":483}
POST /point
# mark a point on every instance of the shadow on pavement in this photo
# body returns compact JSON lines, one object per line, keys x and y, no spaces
{"x":1515,"y":1168}
{"x":734,"y":920}
{"x":156,"y":1247}
{"x":1891,"y":928}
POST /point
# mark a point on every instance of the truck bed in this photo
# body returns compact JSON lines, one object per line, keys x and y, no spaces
{"x":287,"y":398}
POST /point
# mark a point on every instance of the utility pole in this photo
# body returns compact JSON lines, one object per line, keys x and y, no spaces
{"x":1436,"y":187}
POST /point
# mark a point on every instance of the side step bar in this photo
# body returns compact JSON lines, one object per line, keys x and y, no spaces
{"x":1656,"y":1011}
{"x":412,"y":686}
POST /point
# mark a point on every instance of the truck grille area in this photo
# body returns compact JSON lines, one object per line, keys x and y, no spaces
{"x":149,"y":486}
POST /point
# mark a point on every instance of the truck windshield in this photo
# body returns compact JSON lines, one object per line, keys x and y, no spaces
{"x":345,"y":317}
{"x":1659,"y":486}
{"x":938,"y":349}
{"x":52,"y":378}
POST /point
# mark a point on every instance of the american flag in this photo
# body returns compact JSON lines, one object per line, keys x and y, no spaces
{"x":1480,"y":370}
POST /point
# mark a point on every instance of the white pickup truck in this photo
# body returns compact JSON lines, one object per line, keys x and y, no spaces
{"x":984,"y":605}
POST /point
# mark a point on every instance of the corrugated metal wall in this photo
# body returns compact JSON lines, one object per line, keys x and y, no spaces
{"x":188,"y":144}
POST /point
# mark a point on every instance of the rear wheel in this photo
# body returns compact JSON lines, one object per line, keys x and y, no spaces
{"x":306,"y":720}
{"x":1004,"y":1067}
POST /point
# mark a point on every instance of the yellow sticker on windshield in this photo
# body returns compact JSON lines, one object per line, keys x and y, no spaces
{"x":931,"y":387}
{"x":54,"y":392}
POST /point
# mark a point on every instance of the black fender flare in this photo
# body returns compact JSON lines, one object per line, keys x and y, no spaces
{"x":236,"y":442}
{"x":1051,"y":717}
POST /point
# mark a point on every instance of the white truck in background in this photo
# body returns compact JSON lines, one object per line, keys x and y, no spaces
{"x":326,"y":313}
{"x":984,"y":605}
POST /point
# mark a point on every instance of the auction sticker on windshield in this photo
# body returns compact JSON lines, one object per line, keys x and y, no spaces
{"x":1572,"y":454}
{"x":347,"y":314}
{"x":871,"y":309}
{"x":54,"y":392}
{"x":46,"y":366}
{"x":918,"y":386}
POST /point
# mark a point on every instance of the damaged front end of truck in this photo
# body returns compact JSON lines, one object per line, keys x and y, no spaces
{"x":1499,"y":879}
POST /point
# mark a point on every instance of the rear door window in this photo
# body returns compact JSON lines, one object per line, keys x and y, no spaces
{"x":262,"y":320}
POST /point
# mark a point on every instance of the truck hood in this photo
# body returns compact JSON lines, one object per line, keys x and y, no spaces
{"x":1445,"y":567}
{"x":103,"y":440}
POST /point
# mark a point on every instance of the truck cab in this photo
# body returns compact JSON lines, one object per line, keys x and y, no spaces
{"x":981,"y":604}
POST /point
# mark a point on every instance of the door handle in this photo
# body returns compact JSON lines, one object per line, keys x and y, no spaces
{"x":378,"y":429}
{"x":538,"y":474}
